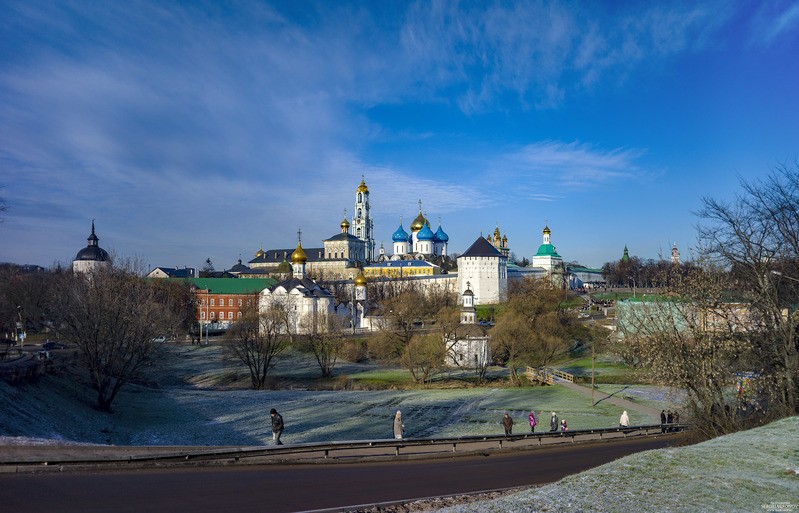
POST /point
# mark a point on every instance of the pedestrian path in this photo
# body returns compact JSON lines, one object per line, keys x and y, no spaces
{"x":603,"y":397}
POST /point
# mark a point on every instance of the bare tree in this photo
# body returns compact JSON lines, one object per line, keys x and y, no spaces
{"x":534,"y":328}
{"x":404,"y":314}
{"x":113,"y":316}
{"x":256,"y":341}
{"x":423,"y":355}
{"x":696,"y":341}
{"x":325,"y":340}
{"x":756,"y":238}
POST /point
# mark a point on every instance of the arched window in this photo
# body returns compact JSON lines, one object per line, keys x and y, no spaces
{"x":238,"y":315}
{"x":230,"y":315}
{"x":202,"y":315}
{"x":360,"y":199}
{"x":360,"y":212}
{"x":212,"y":302}
{"x":213,"y":314}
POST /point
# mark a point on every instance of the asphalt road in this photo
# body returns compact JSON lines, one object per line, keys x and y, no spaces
{"x":289,"y":488}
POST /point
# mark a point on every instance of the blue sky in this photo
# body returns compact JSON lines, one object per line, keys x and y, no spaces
{"x":194,"y":130}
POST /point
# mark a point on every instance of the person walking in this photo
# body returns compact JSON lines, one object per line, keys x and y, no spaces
{"x":624,"y":420}
{"x":507,"y":422}
{"x":532,"y":421}
{"x":553,"y":422}
{"x":563,"y":426}
{"x":399,"y":427}
{"x":277,"y":426}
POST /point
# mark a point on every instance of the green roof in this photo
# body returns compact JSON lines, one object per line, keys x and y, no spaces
{"x":232,"y":285}
{"x":547,"y":250}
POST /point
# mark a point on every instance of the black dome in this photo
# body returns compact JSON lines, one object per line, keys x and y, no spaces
{"x":92,"y":251}
{"x":95,"y":253}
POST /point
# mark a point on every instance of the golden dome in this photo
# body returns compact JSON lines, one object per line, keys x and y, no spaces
{"x":259,"y":253}
{"x":345,"y":225}
{"x":418,"y":223}
{"x":505,"y":238}
{"x":299,"y":256}
{"x":360,"y":280}
{"x":497,"y":236}
{"x":362,"y":187}
{"x":547,"y":230}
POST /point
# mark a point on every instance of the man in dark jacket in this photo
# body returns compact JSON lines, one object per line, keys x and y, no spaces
{"x":662,"y":421}
{"x":553,"y":422}
{"x":507,"y":422}
{"x":277,"y":426}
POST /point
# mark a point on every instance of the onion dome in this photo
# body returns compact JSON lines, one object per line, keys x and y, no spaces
{"x":497,"y":236}
{"x":400,"y":235}
{"x":362,"y":187}
{"x":441,"y":235}
{"x":418,"y":223}
{"x":93,"y":251}
{"x":360,"y":280}
{"x":299,"y":256}
{"x":259,"y":253}
{"x":505,"y":238}
{"x":425,"y":233}
{"x":547,"y":231}
{"x":345,"y":225}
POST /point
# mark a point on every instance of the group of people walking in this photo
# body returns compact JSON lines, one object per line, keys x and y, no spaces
{"x":507,"y":423}
{"x":555,"y":424}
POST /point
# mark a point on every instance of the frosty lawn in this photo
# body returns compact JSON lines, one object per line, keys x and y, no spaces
{"x":749,"y":471}
{"x":185,"y":410}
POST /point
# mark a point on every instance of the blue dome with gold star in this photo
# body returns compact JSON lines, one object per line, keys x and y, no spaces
{"x":425,"y":233}
{"x":400,"y":235}
{"x":440,"y":235}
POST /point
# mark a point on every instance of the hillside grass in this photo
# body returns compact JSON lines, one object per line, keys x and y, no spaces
{"x":755,"y":470}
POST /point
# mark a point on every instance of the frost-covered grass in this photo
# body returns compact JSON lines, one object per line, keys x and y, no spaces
{"x":195,"y":404}
{"x":604,"y":364}
{"x":744,"y":472}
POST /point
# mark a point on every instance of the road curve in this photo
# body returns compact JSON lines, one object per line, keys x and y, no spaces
{"x":291,"y":488}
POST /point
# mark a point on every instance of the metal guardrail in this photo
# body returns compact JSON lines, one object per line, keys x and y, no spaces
{"x":366,"y":449}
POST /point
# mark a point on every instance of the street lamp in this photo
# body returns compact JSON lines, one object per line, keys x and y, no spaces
{"x":633,"y":284}
{"x":778,"y":273}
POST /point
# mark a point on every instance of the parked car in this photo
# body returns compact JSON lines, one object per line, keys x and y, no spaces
{"x":160,"y":340}
{"x":53,"y":344}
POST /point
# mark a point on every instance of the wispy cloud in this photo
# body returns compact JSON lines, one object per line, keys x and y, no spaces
{"x":549,"y":169}
{"x":541,"y":51}
{"x":775,"y":21}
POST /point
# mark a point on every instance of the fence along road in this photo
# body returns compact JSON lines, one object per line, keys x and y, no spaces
{"x":42,"y":458}
{"x":288,"y":487}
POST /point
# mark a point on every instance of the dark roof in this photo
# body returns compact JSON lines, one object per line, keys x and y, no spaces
{"x":482,"y":248}
{"x":238,"y":268}
{"x":275,"y":256}
{"x":310,"y":286}
{"x":186,"y":272}
{"x":95,"y":253}
{"x":344,"y":236}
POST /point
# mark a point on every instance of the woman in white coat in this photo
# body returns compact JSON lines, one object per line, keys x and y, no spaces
{"x":624,"y":420}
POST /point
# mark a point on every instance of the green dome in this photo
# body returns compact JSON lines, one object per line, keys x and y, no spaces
{"x":547,"y":250}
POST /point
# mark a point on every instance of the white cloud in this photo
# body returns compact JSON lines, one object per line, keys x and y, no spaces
{"x":556,"y":167}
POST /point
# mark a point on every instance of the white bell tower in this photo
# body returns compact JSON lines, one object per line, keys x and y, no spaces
{"x":363,"y":226}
